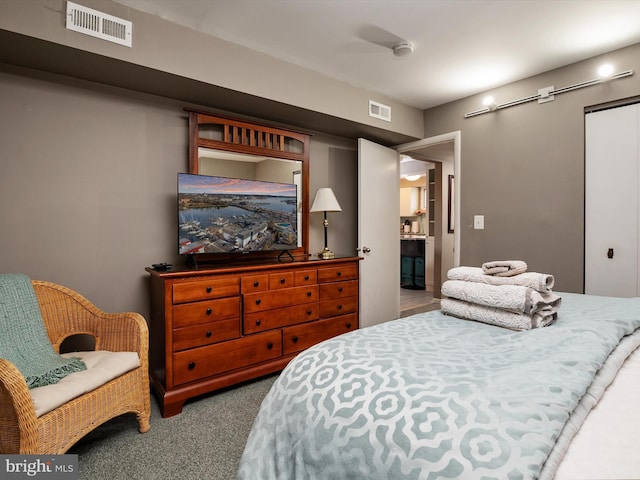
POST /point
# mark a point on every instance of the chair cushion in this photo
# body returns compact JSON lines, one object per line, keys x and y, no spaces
{"x":102,"y":366}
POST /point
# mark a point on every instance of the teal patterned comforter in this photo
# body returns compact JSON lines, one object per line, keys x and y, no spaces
{"x":435,"y":397}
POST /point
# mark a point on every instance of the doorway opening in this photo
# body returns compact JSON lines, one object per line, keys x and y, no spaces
{"x":417,"y":234}
{"x":437,"y":217}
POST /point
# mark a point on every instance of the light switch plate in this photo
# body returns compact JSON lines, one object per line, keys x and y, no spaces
{"x":478,"y":222}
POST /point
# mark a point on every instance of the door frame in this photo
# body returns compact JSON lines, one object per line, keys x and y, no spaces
{"x":456,"y":138}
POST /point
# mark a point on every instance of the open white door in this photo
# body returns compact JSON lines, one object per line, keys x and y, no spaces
{"x":379,"y":242}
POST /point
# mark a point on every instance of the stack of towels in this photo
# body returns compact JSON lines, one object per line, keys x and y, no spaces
{"x":501,"y":293}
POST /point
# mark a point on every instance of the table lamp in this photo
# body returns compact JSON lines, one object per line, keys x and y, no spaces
{"x":325,"y":201}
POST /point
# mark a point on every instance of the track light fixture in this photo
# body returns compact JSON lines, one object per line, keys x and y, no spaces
{"x":547,"y":94}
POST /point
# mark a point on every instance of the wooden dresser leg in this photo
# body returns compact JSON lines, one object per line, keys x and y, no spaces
{"x":169,"y":409}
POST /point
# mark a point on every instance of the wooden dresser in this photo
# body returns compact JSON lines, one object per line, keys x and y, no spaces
{"x":212,"y":327}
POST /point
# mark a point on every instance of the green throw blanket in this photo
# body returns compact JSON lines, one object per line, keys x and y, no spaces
{"x":23,"y":337}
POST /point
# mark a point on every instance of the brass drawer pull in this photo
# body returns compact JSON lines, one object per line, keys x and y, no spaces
{"x":191,"y":365}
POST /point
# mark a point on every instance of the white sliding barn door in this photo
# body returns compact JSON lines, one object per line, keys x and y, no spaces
{"x":378,"y":233}
{"x":612,"y":202}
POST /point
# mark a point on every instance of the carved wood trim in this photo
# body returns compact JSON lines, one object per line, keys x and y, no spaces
{"x":245,"y":137}
{"x":254,"y":139}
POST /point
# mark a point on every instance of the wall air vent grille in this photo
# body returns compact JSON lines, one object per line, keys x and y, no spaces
{"x":97,"y":24}
{"x":378,"y":110}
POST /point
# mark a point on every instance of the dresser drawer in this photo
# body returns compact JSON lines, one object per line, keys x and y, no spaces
{"x":205,"y":334}
{"x":281,"y":280}
{"x":255,"y":283}
{"x":198,"y":363}
{"x":339,"y":306}
{"x":337,"y":274}
{"x":202,"y":312}
{"x":206,"y":289}
{"x":267,"y":320}
{"x":300,"y":337}
{"x":258,"y":302}
{"x":338,"y":290}
{"x":306,"y":277}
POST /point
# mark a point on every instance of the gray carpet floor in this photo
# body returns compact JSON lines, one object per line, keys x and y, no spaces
{"x":204,"y":442}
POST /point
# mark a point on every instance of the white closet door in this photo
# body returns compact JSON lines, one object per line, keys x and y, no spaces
{"x":612,"y":212}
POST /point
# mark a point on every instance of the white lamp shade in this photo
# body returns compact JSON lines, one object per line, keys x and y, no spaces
{"x":325,"y":201}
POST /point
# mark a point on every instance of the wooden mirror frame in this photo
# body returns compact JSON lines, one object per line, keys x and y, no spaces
{"x":252,"y":139}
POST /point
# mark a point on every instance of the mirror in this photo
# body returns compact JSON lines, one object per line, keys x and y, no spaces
{"x":254,"y":167}
{"x":225,"y":147}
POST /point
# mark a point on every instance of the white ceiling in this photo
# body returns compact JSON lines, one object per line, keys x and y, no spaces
{"x":462,"y":47}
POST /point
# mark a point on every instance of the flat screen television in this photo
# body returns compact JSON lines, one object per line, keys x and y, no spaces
{"x":232,"y":215}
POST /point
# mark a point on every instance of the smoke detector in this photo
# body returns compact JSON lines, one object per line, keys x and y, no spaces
{"x":401,"y":49}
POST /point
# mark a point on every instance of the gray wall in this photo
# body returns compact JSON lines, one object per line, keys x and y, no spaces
{"x":88,"y":185}
{"x":523,"y":168}
{"x":88,"y":172}
{"x":172,"y":60}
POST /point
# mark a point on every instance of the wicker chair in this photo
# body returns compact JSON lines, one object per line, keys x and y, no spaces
{"x":67,"y":313}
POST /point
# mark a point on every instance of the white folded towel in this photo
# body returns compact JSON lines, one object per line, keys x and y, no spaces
{"x":540,"y":282}
{"x":504,"y":268}
{"x":497,"y":316}
{"x":514,"y":298}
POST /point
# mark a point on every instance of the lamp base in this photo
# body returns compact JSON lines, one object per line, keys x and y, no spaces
{"x":326,"y":254}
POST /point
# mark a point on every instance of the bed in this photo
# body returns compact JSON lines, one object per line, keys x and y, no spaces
{"x":434,"y":396}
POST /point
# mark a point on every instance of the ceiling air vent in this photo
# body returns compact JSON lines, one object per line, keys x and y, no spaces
{"x":378,"y":110}
{"x":97,"y":24}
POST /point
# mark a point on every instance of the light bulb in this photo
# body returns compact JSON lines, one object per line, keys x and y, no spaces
{"x":489,"y":102}
{"x":412,"y":178}
{"x":606,"y":70}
